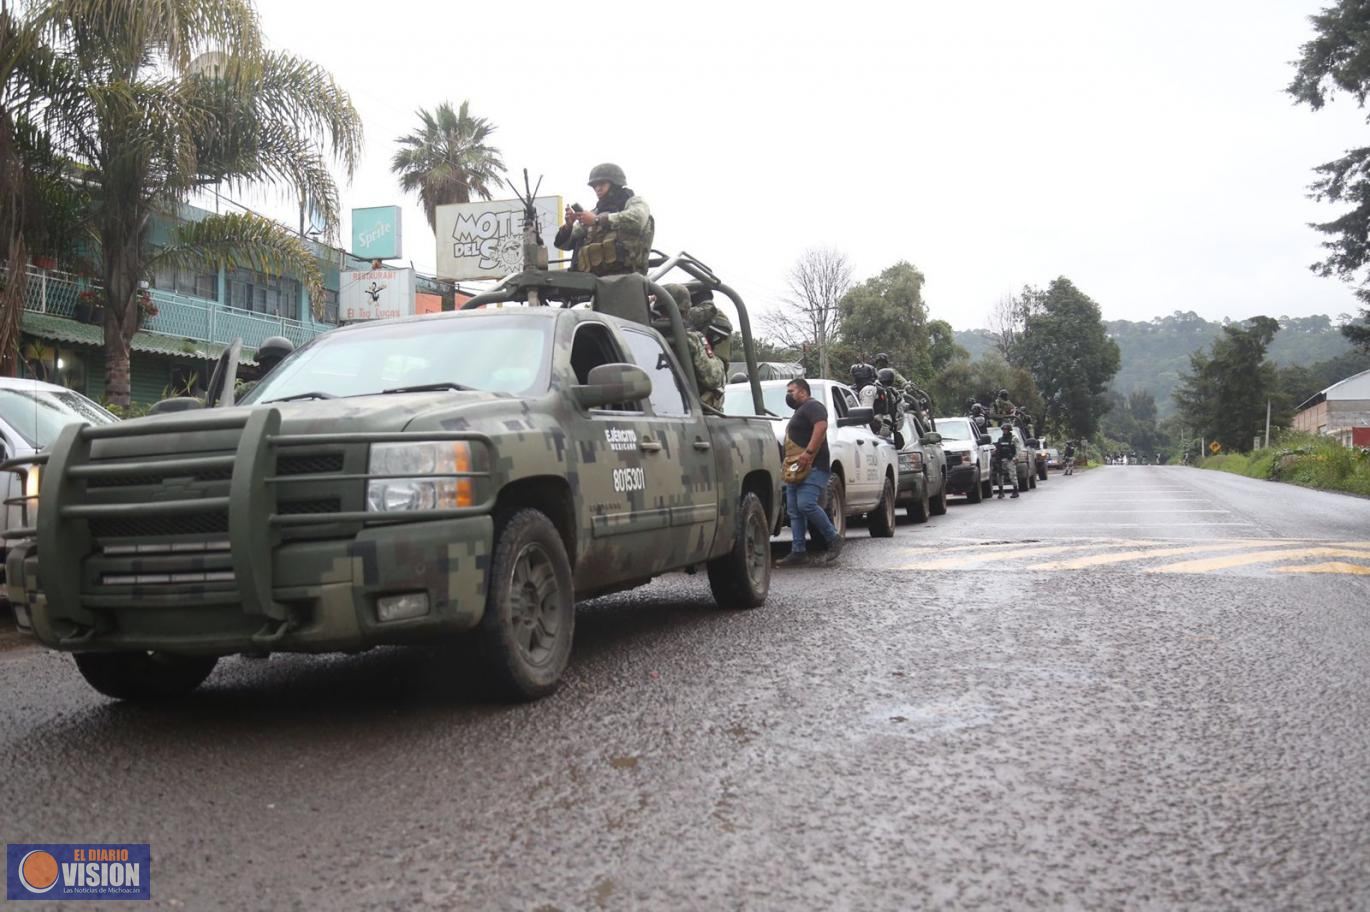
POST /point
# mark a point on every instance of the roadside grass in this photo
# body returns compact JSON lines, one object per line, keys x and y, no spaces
{"x":1302,"y":459}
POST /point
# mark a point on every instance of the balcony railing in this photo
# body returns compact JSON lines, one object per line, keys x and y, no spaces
{"x":178,"y":316}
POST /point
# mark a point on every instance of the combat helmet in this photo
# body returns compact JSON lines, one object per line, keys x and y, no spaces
{"x":885,"y":376}
{"x":273,"y":350}
{"x":862,"y":374}
{"x":1003,"y":394}
{"x":882,"y":358}
{"x":608,"y":171}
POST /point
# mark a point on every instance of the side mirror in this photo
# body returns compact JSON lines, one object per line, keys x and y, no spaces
{"x":899,"y":440}
{"x":611,"y":383}
{"x":930,"y":438}
{"x":1034,"y":443}
{"x":857,"y":417}
{"x":986,"y":440}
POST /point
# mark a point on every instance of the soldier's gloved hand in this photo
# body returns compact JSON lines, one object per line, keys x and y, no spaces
{"x":586,"y":218}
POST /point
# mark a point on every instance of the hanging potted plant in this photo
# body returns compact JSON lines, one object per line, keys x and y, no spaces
{"x":89,"y":308}
{"x":147,"y":307}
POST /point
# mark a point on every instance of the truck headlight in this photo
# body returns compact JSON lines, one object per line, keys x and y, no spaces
{"x":415,"y":463}
{"x":33,"y":482}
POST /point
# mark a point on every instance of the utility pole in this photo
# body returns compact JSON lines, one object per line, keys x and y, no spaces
{"x":1267,"y":424}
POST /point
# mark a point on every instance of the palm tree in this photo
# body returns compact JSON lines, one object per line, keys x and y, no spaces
{"x":132,"y":96}
{"x":447,"y":160}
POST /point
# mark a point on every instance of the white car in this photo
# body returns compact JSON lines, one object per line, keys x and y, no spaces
{"x":968,"y":459}
{"x":31,"y":415}
{"x":865,"y":467}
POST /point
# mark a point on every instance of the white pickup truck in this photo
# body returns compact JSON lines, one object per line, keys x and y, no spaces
{"x":865,"y":467}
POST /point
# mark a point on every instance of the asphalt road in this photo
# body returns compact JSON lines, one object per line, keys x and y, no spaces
{"x":1133,"y":688}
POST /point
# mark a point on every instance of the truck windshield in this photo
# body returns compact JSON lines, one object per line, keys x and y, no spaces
{"x":37,"y":415}
{"x":954,"y":429}
{"x":501,"y":354}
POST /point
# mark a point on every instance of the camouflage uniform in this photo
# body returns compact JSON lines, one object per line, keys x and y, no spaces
{"x":1003,"y":463}
{"x":618,"y":241}
{"x":716,"y":327}
{"x":891,"y":420}
{"x":711,"y":372}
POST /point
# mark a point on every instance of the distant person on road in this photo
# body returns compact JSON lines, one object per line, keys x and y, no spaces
{"x":1069,"y":457}
{"x":616,"y":237}
{"x":1003,"y":461}
{"x":807,"y":438}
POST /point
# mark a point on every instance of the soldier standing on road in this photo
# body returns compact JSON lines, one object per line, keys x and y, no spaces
{"x":808,"y":429}
{"x":1005,"y":452}
{"x":1070,"y":457}
{"x":617,"y":236}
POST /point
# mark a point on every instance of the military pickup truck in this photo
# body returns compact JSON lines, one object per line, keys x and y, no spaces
{"x":405,"y":481}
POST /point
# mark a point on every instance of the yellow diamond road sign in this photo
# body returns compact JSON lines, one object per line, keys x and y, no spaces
{"x":1214,"y":447}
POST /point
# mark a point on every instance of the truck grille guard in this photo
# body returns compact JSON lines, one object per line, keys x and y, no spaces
{"x":237,"y":532}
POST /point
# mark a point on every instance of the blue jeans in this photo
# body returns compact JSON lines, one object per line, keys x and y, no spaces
{"x":802,"y":502}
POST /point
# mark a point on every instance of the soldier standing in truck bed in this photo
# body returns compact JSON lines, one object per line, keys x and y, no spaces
{"x":616,"y":237}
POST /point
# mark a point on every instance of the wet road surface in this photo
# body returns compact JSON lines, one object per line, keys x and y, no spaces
{"x":1074,"y":699}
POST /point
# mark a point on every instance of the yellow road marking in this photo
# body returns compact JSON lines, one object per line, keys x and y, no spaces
{"x":1098,"y":560}
{"x":989,"y":553}
{"x":1259,"y":557}
{"x":1329,"y":567}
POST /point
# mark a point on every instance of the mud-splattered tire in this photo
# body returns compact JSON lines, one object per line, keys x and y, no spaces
{"x":530,"y":610}
{"x":987,"y":488}
{"x":1042,"y":472}
{"x":881,"y":521}
{"x":1032,"y":481}
{"x":977,"y":491}
{"x":919,"y":510}
{"x":741,"y":578}
{"x":939,"y":503}
{"x":144,"y":677}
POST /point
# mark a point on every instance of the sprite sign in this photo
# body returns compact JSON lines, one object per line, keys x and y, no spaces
{"x":376,"y":233}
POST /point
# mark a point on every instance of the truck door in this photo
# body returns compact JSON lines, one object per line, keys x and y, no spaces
{"x":620,"y":481}
{"x":683,"y":478}
{"x":864,"y":483}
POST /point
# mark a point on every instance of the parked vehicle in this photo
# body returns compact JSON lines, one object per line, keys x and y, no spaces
{"x":1053,"y":458}
{"x":922,"y":471}
{"x":31,"y":415}
{"x":405,"y":481}
{"x":864,"y":465}
{"x":968,"y":458}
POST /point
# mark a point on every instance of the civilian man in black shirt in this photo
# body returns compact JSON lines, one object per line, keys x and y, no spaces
{"x":809,"y":429}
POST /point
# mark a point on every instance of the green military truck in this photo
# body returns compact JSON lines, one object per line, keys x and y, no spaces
{"x":406,"y":481}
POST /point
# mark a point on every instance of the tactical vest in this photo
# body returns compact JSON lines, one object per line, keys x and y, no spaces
{"x":610,"y":252}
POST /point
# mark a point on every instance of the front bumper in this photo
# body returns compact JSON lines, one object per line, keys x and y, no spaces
{"x":217,"y":533}
{"x":328,"y":590}
{"x":912,"y":485}
{"x":961,"y":478}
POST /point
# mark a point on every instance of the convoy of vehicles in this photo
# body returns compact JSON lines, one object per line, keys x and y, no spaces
{"x":407,"y":481}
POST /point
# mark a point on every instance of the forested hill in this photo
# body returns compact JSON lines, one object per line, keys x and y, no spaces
{"x":1156,"y":352}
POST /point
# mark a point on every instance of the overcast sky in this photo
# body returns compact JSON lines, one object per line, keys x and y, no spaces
{"x":1145,"y":150}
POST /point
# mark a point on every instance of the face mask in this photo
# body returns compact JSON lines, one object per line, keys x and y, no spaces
{"x":791,"y":401}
